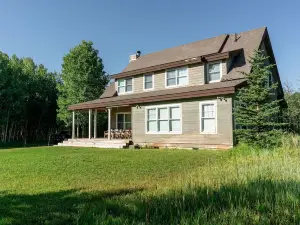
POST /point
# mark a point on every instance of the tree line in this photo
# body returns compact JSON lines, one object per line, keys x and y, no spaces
{"x":34,"y":101}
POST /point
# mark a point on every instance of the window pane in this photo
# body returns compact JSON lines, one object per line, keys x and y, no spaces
{"x":152,"y":126}
{"x":214,"y":72}
{"x":127,"y":126}
{"x":182,"y":72}
{"x":214,"y":76}
{"x":182,"y":80}
{"x":208,"y":111}
{"x":175,"y":125}
{"x":128,"y":88}
{"x":163,"y":113}
{"x":208,"y":125}
{"x":129,"y":81}
{"x":163,"y":125}
{"x":148,"y":78}
{"x":120,"y":125}
{"x":171,"y":82}
{"x":127,"y":118}
{"x":174,"y":113}
{"x":171,"y":74}
{"x":120,"y":118}
{"x":121,"y":89}
{"x":121,"y":82}
{"x":148,"y":85}
{"x":214,"y":68}
{"x":151,"y":114}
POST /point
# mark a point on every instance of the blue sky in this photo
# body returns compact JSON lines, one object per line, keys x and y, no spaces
{"x":47,"y":30}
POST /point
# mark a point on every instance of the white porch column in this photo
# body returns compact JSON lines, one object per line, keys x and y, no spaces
{"x":109,"y":123}
{"x":95,"y":123}
{"x":90,"y":123}
{"x":73,"y":126}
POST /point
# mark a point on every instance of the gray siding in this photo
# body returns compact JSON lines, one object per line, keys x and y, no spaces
{"x":191,"y":136}
{"x":196,"y":77}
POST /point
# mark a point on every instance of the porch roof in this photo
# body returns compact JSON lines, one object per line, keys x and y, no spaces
{"x":213,"y":89}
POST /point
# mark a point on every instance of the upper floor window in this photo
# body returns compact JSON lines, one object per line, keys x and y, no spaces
{"x":125,"y":85}
{"x":214,"y":72}
{"x":177,"y":77}
{"x":148,"y":81}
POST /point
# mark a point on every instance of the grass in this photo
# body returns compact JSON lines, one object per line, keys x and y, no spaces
{"x":53,"y":185}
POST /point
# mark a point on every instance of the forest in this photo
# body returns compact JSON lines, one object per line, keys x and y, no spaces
{"x":34,"y":100}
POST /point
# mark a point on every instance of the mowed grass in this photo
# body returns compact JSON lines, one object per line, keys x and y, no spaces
{"x":53,"y":185}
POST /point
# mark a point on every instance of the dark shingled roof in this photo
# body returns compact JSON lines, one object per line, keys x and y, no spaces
{"x":198,"y":48}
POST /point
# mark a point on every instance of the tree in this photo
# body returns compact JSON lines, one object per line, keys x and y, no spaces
{"x":83,"y":79}
{"x":28,"y":99}
{"x":257,"y":111}
{"x":292,"y":113}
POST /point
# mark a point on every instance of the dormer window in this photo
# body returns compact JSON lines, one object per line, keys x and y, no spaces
{"x":124,"y":85}
{"x":177,"y":77}
{"x":214,"y":72}
{"x":148,"y":81}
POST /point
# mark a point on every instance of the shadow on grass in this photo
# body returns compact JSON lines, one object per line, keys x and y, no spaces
{"x":20,"y":144}
{"x":257,"y":202}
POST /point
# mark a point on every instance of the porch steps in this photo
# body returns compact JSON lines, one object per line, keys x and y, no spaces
{"x":96,"y":143}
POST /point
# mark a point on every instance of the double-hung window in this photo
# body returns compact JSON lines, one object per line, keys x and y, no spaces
{"x":163,"y":119}
{"x":123,"y":121}
{"x":214,"y":72}
{"x":208,"y":117}
{"x":124,"y":85}
{"x":148,"y":81}
{"x":177,"y":77}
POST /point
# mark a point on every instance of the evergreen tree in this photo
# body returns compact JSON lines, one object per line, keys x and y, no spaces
{"x":83,"y":78}
{"x":257,"y":110}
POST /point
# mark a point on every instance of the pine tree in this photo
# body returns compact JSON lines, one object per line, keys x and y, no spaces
{"x":257,"y":110}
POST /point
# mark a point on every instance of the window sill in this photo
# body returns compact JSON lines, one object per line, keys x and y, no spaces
{"x":177,"y":86}
{"x":125,"y":93}
{"x":163,"y":132}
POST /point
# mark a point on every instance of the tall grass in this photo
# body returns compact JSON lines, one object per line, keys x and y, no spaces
{"x":242,"y":186}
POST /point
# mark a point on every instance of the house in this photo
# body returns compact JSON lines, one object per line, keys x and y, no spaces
{"x":181,"y":96}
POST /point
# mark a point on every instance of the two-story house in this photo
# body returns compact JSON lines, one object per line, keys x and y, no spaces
{"x":182,"y":96}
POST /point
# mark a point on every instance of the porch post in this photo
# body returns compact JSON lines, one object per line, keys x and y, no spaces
{"x":90,"y":123}
{"x":73,"y":126}
{"x":109,"y":123}
{"x":95,"y":123}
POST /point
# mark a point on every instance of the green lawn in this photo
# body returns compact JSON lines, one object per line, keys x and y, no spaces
{"x":56,"y":185}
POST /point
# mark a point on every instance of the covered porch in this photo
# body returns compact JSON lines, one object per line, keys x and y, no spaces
{"x":118,"y":124}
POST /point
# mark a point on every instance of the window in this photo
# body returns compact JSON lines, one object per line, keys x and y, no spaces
{"x":124,"y":121}
{"x":124,"y":85}
{"x":163,"y":119}
{"x":148,"y":81}
{"x":214,"y":72}
{"x":208,"y":122}
{"x":177,"y":77}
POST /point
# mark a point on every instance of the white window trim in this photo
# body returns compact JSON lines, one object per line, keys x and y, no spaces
{"x":162,"y":106}
{"x":216,"y":115}
{"x":124,"y":118}
{"x":128,"y":92}
{"x":149,"y":89}
{"x":175,"y":86}
{"x":221,"y":72}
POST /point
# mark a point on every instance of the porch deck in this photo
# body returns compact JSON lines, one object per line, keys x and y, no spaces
{"x":96,"y":142}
